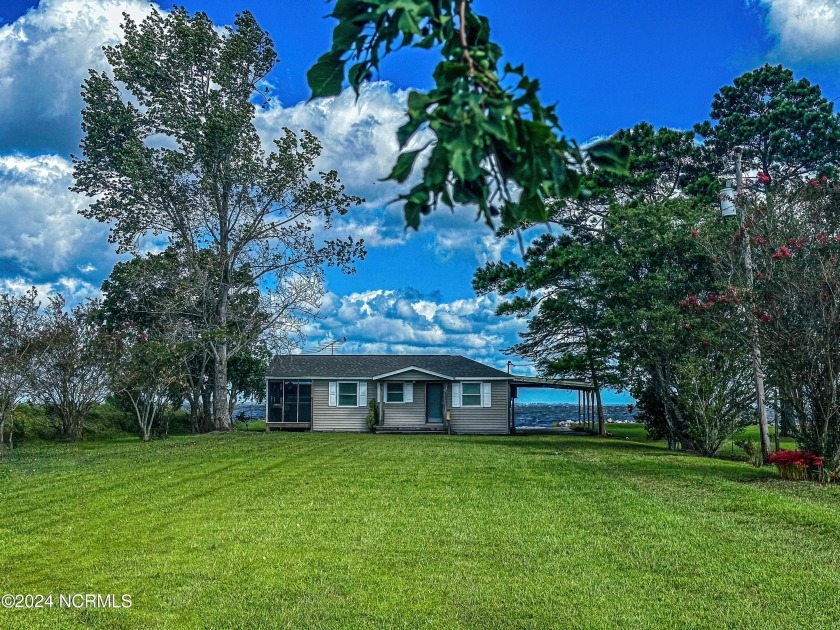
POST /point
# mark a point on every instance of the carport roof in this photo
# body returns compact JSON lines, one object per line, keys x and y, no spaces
{"x":550,"y":383}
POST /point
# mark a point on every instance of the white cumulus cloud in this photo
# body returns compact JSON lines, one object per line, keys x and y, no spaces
{"x":43,"y":234}
{"x":805,"y":29}
{"x":44,"y":57}
{"x":73,"y":290}
{"x":408,"y":321}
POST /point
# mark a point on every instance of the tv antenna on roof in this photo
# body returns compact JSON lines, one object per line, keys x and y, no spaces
{"x":331,"y":345}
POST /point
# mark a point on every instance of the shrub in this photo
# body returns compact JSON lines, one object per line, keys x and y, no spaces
{"x":797,"y":464}
{"x":752,"y":452}
{"x":373,"y":414}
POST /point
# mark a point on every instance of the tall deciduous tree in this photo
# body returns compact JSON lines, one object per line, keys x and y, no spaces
{"x":182,"y":157}
{"x":18,"y":328}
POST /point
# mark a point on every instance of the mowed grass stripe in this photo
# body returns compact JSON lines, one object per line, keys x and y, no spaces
{"x":340,"y":530}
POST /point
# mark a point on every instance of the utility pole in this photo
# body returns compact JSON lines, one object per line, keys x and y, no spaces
{"x":758,"y":373}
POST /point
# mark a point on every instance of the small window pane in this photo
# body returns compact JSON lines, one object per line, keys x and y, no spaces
{"x":348,"y":395}
{"x":471,"y":395}
{"x":394,"y":392}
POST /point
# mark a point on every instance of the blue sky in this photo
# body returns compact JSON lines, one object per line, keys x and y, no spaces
{"x":606,"y":64}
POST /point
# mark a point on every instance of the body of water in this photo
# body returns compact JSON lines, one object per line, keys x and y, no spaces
{"x":550,"y":414}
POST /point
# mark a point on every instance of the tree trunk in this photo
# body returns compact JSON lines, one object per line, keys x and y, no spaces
{"x":206,"y":415}
{"x":602,"y":429}
{"x":76,"y":423}
{"x":232,"y":404}
{"x":786,"y":428}
{"x":661,"y":386}
{"x":221,"y":414}
{"x":194,"y":418}
{"x":220,"y":383}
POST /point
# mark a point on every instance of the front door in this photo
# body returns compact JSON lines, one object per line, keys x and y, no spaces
{"x":434,"y":403}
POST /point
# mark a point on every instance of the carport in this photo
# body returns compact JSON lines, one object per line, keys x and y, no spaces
{"x":585,"y":394}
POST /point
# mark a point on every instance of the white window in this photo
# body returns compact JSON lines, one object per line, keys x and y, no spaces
{"x":471,"y":394}
{"x":394,"y":393}
{"x":348,"y":394}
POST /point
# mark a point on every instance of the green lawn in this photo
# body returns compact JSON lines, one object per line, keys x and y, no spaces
{"x":254,"y":531}
{"x":636,"y":433}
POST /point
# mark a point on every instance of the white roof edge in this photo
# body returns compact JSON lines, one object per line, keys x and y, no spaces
{"x":381,"y":376}
{"x":406,"y":369}
{"x":318,"y":378}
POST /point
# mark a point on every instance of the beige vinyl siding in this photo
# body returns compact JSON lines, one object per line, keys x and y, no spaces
{"x":492,"y":419}
{"x":326,"y":418}
{"x":405,"y":414}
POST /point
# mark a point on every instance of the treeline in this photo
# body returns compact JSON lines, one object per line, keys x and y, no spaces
{"x":146,"y":361}
{"x":643,"y":285}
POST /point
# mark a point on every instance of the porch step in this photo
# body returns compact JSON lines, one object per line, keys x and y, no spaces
{"x":421,"y":428}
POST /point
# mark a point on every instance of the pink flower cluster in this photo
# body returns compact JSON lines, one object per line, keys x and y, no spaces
{"x":695,"y":303}
{"x":783,"y":252}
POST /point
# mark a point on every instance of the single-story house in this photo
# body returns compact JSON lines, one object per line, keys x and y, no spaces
{"x":415,"y":392}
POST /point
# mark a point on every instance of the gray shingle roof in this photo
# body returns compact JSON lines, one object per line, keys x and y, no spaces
{"x":368,"y":366}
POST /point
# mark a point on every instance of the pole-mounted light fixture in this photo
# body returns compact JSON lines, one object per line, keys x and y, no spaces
{"x":727,"y":201}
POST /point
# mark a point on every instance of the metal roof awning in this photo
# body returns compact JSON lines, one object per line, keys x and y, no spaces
{"x":552,"y":383}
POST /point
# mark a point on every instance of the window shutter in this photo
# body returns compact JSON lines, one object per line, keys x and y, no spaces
{"x":333,"y":390}
{"x":456,"y":394}
{"x":363,"y":394}
{"x":408,"y":392}
{"x":486,"y":394}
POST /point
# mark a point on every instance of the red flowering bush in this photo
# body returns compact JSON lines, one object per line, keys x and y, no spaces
{"x":797,"y":464}
{"x":784,"y":252}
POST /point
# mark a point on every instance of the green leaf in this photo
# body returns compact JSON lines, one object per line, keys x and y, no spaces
{"x":405,"y":162}
{"x":412,"y":214}
{"x":326,"y":76}
{"x":344,"y":34}
{"x":358,"y":73}
{"x":607,"y":154}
